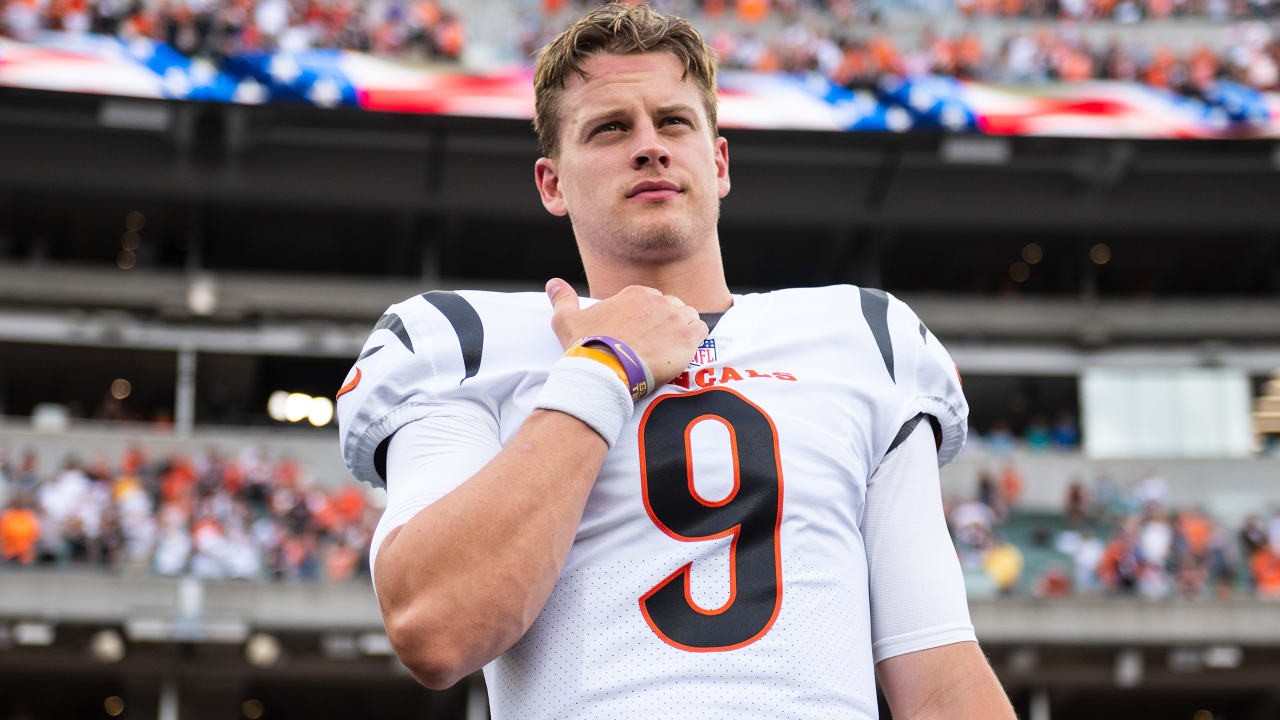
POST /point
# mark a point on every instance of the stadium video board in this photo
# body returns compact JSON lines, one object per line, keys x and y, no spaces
{"x":150,"y":68}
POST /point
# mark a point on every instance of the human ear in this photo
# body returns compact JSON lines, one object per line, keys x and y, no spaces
{"x":722,"y":165}
{"x":548,"y":182}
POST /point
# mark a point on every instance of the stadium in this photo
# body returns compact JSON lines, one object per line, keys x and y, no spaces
{"x":205,"y":207}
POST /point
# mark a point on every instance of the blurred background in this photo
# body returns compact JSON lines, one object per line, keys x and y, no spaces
{"x":205,"y":204}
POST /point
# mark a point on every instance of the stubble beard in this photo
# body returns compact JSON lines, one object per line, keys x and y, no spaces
{"x":660,"y":241}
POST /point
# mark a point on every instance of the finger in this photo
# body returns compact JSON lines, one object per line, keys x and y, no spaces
{"x":562,"y":295}
{"x":674,"y":301}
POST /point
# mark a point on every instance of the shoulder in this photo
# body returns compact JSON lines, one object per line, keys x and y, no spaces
{"x":892,"y":349}
{"x":439,"y":351}
{"x":871,"y":314}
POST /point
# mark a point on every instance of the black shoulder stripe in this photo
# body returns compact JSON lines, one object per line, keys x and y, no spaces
{"x":369,"y":352}
{"x":392,"y":322}
{"x":909,"y":427}
{"x":466,"y":324}
{"x":875,"y":308}
{"x":924,"y":333}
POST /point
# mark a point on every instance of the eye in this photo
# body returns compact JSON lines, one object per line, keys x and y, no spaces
{"x":675,"y":119}
{"x":607,"y":127}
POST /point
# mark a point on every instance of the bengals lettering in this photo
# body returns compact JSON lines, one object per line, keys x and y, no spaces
{"x":706,"y":377}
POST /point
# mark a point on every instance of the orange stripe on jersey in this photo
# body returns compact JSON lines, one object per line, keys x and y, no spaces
{"x":349,"y":386}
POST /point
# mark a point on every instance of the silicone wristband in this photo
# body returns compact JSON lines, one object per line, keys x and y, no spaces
{"x":601,"y":357}
{"x":639,"y":378}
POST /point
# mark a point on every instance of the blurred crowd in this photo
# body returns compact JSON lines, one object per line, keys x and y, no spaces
{"x":847,"y":42}
{"x":1112,"y":539}
{"x":1041,"y":432}
{"x":220,"y":28}
{"x":248,"y":517}
{"x":1050,"y":53}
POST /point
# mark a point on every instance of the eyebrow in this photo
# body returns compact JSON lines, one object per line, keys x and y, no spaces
{"x":590,"y":123}
{"x":677,"y":110}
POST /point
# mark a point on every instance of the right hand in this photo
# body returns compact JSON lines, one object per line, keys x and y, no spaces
{"x":663,"y":331}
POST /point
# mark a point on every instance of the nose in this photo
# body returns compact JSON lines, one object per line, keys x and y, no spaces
{"x":649,"y":151}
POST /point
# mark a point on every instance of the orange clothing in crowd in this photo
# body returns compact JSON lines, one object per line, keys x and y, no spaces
{"x":1197,"y":529}
{"x":19,"y":530}
{"x":1265,"y":565}
{"x":752,"y":11}
{"x":1108,"y":566}
{"x":349,"y":504}
{"x":449,"y":38}
{"x":1011,"y":485}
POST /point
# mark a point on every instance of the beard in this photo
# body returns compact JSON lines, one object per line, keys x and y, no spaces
{"x":657,"y":240}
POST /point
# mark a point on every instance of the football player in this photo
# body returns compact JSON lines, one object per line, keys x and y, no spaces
{"x":663,"y":499}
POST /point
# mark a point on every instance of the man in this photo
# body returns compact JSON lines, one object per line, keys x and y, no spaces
{"x":714,"y":506}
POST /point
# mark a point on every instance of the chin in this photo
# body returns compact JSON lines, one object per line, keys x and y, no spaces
{"x":655,"y":242}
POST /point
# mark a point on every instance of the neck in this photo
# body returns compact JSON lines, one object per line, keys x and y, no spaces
{"x":697,"y":280}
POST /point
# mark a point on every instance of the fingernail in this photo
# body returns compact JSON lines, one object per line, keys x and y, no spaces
{"x":552,"y":286}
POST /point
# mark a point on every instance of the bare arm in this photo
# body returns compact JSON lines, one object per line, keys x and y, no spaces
{"x":466,"y":576}
{"x":464,"y":579}
{"x":950,"y":681}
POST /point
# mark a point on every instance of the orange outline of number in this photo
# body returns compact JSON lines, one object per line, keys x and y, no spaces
{"x":687,"y":568}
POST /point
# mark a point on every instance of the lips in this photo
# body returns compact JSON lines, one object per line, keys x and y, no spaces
{"x":653,"y":190}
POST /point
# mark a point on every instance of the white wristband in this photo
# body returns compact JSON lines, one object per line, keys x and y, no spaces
{"x":589,"y":391}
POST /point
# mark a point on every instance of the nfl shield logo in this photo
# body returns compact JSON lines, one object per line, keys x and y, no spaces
{"x":706,"y":353}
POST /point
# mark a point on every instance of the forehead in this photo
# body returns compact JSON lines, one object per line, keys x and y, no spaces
{"x":624,"y":79}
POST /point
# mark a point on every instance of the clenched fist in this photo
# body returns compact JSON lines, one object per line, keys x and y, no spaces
{"x":662,"y":330}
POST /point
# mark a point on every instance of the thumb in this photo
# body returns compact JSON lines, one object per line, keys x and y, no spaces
{"x":562,"y":295}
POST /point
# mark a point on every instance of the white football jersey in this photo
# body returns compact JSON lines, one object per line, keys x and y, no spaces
{"x":720,"y":569}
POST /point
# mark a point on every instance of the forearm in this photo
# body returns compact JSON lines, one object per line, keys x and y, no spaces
{"x":950,"y":682}
{"x":464,"y":579}
{"x":975,"y":695}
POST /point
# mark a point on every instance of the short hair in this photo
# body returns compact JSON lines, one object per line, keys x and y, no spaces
{"x":616,"y":29}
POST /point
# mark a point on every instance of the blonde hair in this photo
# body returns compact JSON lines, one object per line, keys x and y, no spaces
{"x":616,"y":29}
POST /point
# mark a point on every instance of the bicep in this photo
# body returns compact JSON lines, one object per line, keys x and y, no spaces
{"x":916,"y":588}
{"x":426,"y":460}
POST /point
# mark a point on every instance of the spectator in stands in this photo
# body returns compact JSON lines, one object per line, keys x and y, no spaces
{"x":1011,"y":480}
{"x":1003,"y":564}
{"x":1253,"y":534}
{"x":1120,"y":565}
{"x":987,"y":493}
{"x":1087,"y":555}
{"x":19,"y":530}
{"x":173,"y":544}
{"x":1155,"y":541}
{"x":1193,"y":532}
{"x":25,"y":476}
{"x":1265,"y":568}
{"x":1038,"y":434}
{"x":1077,"y":504}
{"x":1000,"y":437}
{"x":1065,"y":434}
{"x":1053,"y":582}
{"x":971,"y":526}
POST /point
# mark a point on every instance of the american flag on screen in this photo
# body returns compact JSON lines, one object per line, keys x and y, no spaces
{"x":340,"y":78}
